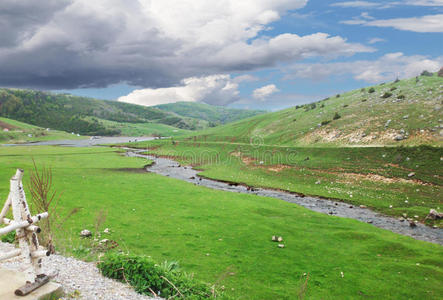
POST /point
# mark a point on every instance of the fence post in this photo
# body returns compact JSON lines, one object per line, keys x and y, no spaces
{"x":26,"y":233}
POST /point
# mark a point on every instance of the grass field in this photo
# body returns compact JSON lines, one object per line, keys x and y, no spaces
{"x":225,"y":237}
{"x":378,"y":177}
{"x":19,"y":133}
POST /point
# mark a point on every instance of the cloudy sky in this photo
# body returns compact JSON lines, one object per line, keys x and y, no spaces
{"x":267,"y":54}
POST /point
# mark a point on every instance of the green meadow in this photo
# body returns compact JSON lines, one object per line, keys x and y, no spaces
{"x":392,"y":180}
{"x":19,"y":132}
{"x":225,"y":238}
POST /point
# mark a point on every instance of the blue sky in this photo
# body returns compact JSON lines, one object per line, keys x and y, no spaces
{"x":249,"y":54}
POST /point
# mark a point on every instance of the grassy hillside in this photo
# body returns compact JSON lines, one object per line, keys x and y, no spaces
{"x":81,"y":115}
{"x":225,"y":238}
{"x":407,"y":112}
{"x":215,"y":115}
{"x":140,"y":129}
{"x":306,"y":150}
{"x":12,"y":131}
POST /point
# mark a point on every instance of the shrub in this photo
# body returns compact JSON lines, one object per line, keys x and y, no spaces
{"x":397,"y":80}
{"x":401,"y":97}
{"x":362,"y":90}
{"x":9,"y":238}
{"x":386,"y":95}
{"x":393,"y":88}
{"x":323,"y":123}
{"x":345,"y":105}
{"x":336,"y":116}
{"x":337,"y":96}
{"x":440,"y":73}
{"x":147,"y":277}
{"x":364,"y":100}
{"x":426,"y":73}
{"x":371,"y":90}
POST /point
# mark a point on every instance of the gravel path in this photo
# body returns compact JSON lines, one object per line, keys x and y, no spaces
{"x":79,"y":278}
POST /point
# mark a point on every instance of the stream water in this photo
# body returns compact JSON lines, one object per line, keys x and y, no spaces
{"x":171,"y":168}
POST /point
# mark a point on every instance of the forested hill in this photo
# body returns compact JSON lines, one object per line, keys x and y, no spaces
{"x":214,"y":114}
{"x":82,"y":115}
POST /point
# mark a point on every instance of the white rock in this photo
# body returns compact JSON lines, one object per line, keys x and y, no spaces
{"x":85,"y":233}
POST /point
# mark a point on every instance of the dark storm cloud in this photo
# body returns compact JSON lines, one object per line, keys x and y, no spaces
{"x":60,"y":44}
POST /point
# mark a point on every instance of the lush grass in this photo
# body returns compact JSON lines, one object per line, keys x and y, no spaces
{"x":226,"y":236}
{"x":415,"y":108}
{"x":376,"y":177}
{"x":19,"y":133}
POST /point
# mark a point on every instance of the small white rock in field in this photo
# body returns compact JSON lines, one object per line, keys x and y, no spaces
{"x":390,"y":206}
{"x":281,"y":245}
{"x":106,"y":230}
{"x":85,"y":233}
{"x":342,"y":275}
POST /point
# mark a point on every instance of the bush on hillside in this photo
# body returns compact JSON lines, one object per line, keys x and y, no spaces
{"x":371,"y":90}
{"x":401,"y":97}
{"x":386,"y":95}
{"x":166,"y":280}
{"x":336,"y":116}
{"x":440,"y":73}
{"x":323,"y":123}
{"x":426,"y":73}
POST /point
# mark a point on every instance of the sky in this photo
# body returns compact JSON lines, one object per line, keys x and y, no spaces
{"x":256,"y":54}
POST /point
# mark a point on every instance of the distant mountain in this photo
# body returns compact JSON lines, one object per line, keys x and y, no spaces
{"x":403,"y":112}
{"x":86,"y":116}
{"x":215,"y":115}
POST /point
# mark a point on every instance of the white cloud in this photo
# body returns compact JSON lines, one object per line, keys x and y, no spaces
{"x":155,"y":43}
{"x":214,"y":89}
{"x":265,"y":91}
{"x":245,"y":78}
{"x":360,"y":4}
{"x":376,"y":40}
{"x":386,"y":68}
{"x":387,"y":4}
{"x":431,"y":23}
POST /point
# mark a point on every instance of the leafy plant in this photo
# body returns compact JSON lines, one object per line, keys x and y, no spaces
{"x":371,"y":90}
{"x":165,"y":280}
{"x":9,"y":237}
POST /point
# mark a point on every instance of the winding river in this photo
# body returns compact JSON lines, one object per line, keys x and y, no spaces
{"x":171,"y":168}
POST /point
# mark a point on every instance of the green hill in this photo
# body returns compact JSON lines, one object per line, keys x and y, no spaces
{"x":12,"y":131}
{"x":214,"y":114}
{"x":405,"y":112}
{"x":85,"y":115}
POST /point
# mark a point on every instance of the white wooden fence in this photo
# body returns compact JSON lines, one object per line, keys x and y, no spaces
{"x":26,"y":233}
